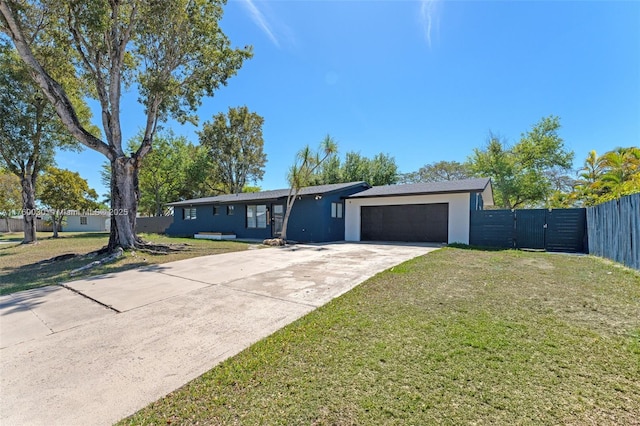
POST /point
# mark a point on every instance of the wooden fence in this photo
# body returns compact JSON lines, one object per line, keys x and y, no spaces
{"x":614,"y":230}
{"x":156,"y":225}
{"x":17,"y":225}
{"x":143,"y":224}
{"x":562,"y":230}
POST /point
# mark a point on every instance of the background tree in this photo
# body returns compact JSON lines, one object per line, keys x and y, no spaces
{"x":355,"y":167}
{"x":200,"y":181}
{"x":382,"y":170}
{"x":520,"y":174}
{"x":10,"y":196}
{"x":174,"y":170}
{"x":173,"y":50}
{"x":602,"y":178}
{"x":438,"y":172}
{"x":379,"y":170}
{"x":329,"y":172}
{"x":163,"y":173}
{"x":235,"y":144}
{"x":30,"y":130}
{"x":62,"y":191}
{"x":302,"y":172}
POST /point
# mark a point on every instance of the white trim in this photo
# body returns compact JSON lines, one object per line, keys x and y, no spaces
{"x":459,"y":206}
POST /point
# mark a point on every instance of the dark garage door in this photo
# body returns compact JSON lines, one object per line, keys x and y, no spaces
{"x":407,"y":222}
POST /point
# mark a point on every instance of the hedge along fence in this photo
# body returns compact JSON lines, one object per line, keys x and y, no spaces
{"x":614,"y":230}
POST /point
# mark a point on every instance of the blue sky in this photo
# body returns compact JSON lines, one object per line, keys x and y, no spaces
{"x":422,"y":81}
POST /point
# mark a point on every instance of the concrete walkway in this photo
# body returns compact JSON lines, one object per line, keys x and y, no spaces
{"x":99,"y":349}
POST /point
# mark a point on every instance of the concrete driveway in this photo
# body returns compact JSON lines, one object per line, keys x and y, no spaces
{"x":101,"y":348}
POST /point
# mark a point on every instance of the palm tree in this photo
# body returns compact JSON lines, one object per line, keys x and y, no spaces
{"x":301,"y":173}
{"x":620,"y":165}
{"x":609,"y":176}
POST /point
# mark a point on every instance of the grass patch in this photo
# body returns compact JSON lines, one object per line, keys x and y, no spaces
{"x":20,"y":268}
{"x":454,"y":337}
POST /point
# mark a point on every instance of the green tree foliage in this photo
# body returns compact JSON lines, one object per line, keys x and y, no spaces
{"x":62,"y":191}
{"x":174,"y":170}
{"x":329,"y":172}
{"x":30,"y":130}
{"x":379,"y":170}
{"x":383,"y":170}
{"x":173,"y":51}
{"x":10,"y":196}
{"x":235,"y":144}
{"x":200,"y":181}
{"x":520,"y":174}
{"x":614,"y":174}
{"x":303,"y":172}
{"x":163,"y":174}
{"x":438,"y":172}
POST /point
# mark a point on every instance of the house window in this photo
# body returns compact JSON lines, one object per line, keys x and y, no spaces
{"x":257,"y":216}
{"x":230,"y":210}
{"x":83,"y":220}
{"x":216,"y":210}
{"x":189,"y":213}
{"x":336,"y":210}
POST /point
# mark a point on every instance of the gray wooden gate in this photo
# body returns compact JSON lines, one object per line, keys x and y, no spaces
{"x":551,"y":230}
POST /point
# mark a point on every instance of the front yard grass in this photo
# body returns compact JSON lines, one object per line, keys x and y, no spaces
{"x":21,"y":267}
{"x":454,"y":337}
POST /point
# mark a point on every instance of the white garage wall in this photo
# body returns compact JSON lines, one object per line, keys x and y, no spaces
{"x":458,"y":213}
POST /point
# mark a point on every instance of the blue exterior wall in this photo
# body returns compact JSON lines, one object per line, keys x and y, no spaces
{"x":206,"y":221}
{"x":476,"y":201}
{"x":310,"y":219}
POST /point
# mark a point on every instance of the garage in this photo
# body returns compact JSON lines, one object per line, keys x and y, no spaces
{"x":430,"y":212}
{"x":411,"y":223}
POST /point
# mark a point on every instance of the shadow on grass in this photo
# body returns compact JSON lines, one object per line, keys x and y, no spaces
{"x":40,"y":274}
{"x":80,"y":235}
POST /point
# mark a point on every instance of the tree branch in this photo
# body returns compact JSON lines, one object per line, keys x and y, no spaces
{"x":54,"y":92}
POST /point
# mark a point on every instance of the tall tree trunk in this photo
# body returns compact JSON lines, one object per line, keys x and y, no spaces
{"x":6,"y":218}
{"x":28,"y":209}
{"x":159,"y":206}
{"x":124,"y":202}
{"x":56,"y":221}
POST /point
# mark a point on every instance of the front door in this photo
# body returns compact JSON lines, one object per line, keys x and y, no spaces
{"x":277,"y":218}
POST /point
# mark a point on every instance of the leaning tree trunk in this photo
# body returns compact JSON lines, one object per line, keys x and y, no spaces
{"x":124,"y":203}
{"x":28,"y":209}
{"x":285,"y":223}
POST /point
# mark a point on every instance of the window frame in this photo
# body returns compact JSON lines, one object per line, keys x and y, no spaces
{"x":257,"y":212}
{"x":337,"y":210}
{"x":189,"y":213}
{"x":231,"y":210}
{"x":84,"y":220}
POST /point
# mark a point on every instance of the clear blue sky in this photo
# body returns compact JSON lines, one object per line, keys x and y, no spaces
{"x":422,"y":81}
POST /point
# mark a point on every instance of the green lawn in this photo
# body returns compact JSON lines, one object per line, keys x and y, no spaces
{"x":454,"y":337}
{"x":21,"y":266}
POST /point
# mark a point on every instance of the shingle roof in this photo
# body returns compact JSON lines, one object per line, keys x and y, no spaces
{"x":267,"y":195}
{"x":466,"y":185}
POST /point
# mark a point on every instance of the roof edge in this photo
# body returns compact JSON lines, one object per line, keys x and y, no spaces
{"x":208,"y":200}
{"x":410,"y":194}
